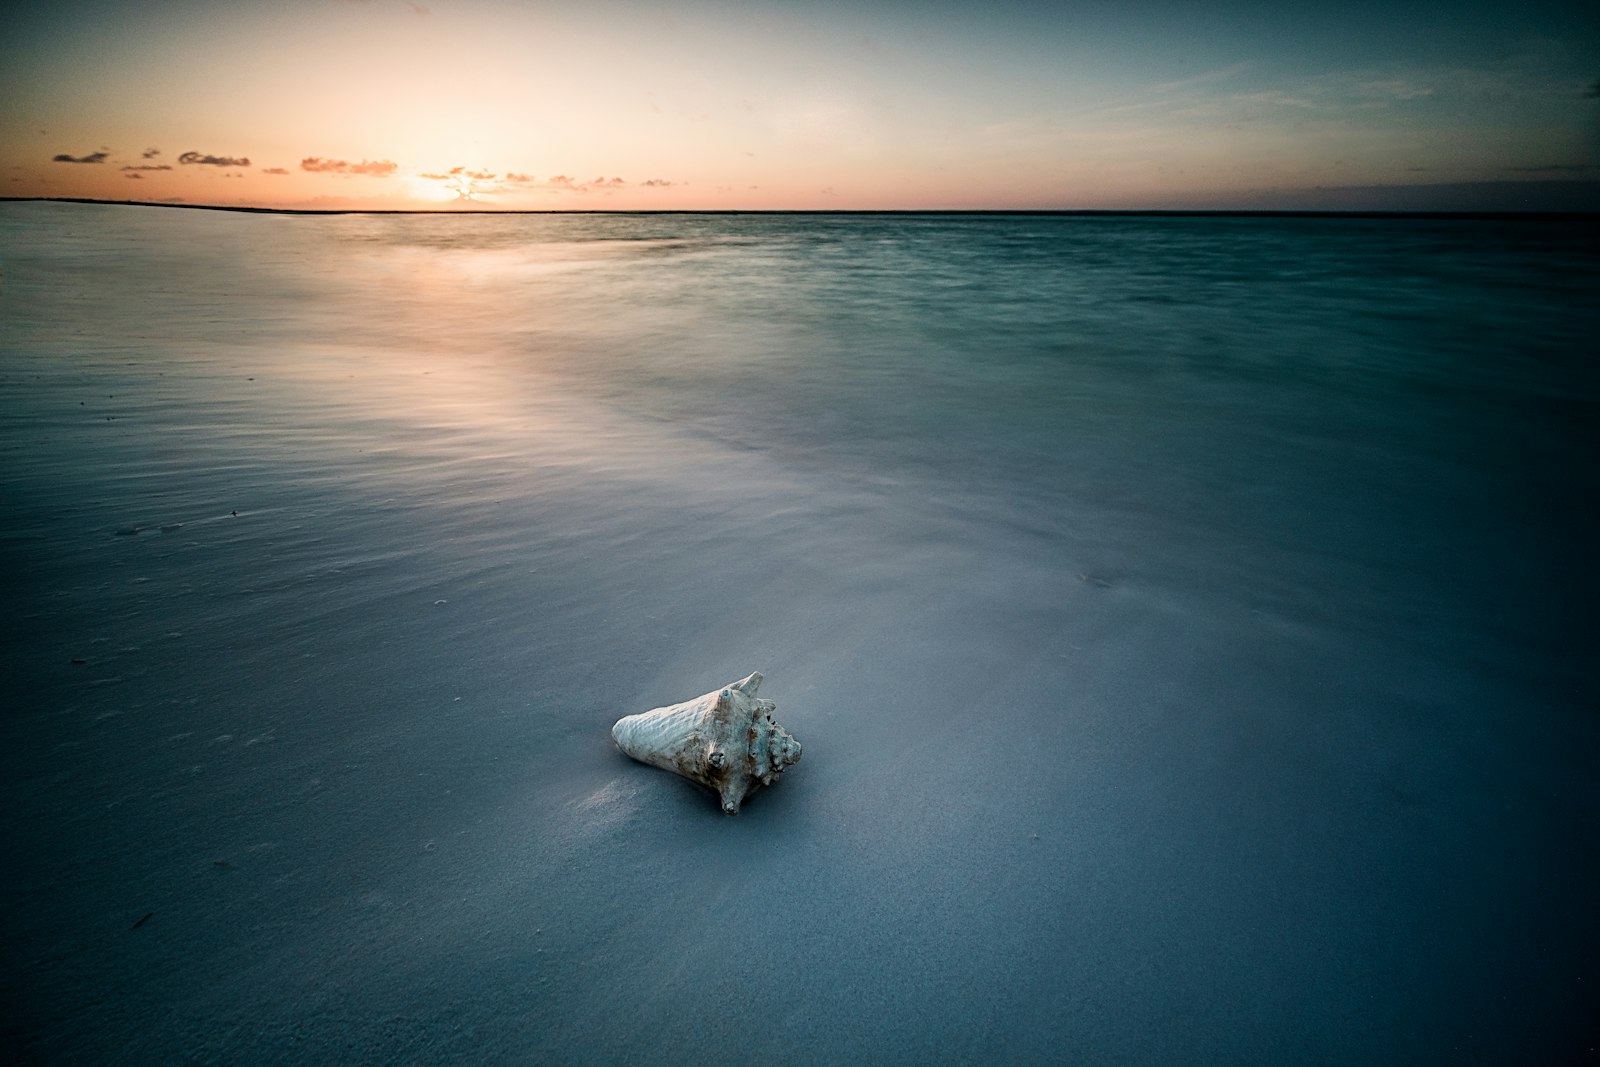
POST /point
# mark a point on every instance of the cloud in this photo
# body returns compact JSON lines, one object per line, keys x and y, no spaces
{"x":150,"y":166}
{"x":567,"y":183}
{"x":1397,"y":89}
{"x":274,"y":170}
{"x":1194,"y":81}
{"x":151,"y":153}
{"x":376,"y":168}
{"x":471,"y":184}
{"x":658,"y":183}
{"x":213,"y":161}
{"x":419,"y":11}
{"x":1265,"y":98}
{"x":1557,"y":168}
{"x":92,"y":157}
{"x":135,"y":177}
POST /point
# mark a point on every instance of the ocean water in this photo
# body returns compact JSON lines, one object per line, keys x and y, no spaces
{"x":1189,"y":623}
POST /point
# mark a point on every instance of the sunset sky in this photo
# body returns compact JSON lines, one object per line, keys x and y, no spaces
{"x":804,"y":104}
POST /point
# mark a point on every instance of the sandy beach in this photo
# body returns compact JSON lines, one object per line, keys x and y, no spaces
{"x":1186,"y":622}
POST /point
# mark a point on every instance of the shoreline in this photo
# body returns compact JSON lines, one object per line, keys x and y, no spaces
{"x":946,"y":213}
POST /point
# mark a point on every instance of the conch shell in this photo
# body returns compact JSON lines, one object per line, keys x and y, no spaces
{"x":725,"y":740}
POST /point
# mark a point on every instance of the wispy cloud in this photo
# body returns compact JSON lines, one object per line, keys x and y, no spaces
{"x":1557,"y":168}
{"x":201,"y":159}
{"x":150,"y":166}
{"x":1396,"y":89}
{"x":1243,"y":93}
{"x":1197,"y":81}
{"x":92,"y":157}
{"x":469,"y":184}
{"x":1273,"y":98}
{"x":151,"y":153}
{"x":274,"y":170}
{"x":1381,"y":118}
{"x":136,"y":177}
{"x":567,"y":183}
{"x":376,"y":168}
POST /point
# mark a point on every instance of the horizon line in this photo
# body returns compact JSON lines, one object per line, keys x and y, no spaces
{"x":1363,"y":213}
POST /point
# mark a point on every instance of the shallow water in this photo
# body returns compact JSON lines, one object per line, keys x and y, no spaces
{"x":1187,"y":622}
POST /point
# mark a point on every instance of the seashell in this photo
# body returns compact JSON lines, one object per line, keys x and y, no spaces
{"x":726,"y":740}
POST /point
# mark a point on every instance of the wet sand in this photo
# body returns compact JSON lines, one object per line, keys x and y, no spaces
{"x":1181,"y":722}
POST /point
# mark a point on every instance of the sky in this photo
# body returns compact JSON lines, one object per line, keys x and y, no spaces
{"x":805,"y":104}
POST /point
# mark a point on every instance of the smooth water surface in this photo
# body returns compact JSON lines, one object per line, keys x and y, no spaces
{"x":1188,"y":622}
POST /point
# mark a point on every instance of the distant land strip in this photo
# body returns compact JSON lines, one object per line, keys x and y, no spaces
{"x":1228,"y":213}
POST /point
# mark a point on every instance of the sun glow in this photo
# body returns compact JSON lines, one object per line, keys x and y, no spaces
{"x":465,"y":186}
{"x":458,"y":184}
{"x":432,"y":191}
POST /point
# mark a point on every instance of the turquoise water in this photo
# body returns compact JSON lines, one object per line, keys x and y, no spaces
{"x":1187,"y":621}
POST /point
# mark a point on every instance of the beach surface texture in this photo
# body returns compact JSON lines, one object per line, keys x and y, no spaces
{"x":1189,"y":623}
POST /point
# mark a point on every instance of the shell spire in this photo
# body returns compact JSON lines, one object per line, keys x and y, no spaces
{"x":727,"y":740}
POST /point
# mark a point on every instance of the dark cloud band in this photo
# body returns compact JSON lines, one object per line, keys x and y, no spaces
{"x":213,"y":161}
